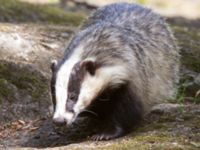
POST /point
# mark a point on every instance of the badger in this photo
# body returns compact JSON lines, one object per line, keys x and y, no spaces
{"x":123,"y":61}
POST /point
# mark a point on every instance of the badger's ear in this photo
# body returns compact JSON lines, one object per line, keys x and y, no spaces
{"x":90,"y":66}
{"x":53,"y":65}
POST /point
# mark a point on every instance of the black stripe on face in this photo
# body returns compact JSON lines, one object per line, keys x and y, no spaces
{"x":53,"y":90}
{"x":76,"y":78}
{"x":74,"y":85}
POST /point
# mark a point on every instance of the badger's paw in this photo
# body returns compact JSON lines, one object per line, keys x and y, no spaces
{"x":108,"y":134}
{"x":102,"y":137}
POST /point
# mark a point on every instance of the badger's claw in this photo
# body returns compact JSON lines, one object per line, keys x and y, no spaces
{"x":116,"y":132}
{"x":102,"y":137}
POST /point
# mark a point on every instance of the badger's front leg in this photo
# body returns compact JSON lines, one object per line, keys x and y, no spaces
{"x":120,"y":114}
{"x":108,"y":131}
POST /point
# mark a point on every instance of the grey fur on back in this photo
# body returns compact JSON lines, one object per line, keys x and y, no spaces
{"x":135,"y":36}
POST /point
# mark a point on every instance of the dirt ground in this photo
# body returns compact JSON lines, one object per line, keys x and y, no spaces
{"x":175,"y":128}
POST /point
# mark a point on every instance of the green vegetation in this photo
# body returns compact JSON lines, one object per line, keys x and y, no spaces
{"x":18,"y":12}
{"x":189,"y":42}
{"x":181,"y":92}
{"x":187,"y":90}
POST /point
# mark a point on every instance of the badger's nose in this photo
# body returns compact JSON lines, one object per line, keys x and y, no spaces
{"x":59,"y":121}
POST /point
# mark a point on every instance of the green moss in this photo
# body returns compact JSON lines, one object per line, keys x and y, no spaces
{"x":23,"y":78}
{"x":160,"y":138}
{"x":190,"y":122}
{"x":152,"y":127}
{"x":6,"y":90}
{"x":3,"y":88}
{"x":16,"y":11}
{"x":145,"y":141}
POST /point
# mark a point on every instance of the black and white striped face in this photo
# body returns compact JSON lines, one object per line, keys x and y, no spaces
{"x":76,"y":83}
{"x":66,"y":90}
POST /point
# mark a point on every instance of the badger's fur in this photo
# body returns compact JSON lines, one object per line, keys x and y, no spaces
{"x":123,"y":61}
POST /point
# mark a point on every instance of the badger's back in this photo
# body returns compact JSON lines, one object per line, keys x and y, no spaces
{"x":147,"y":46}
{"x":130,"y":16}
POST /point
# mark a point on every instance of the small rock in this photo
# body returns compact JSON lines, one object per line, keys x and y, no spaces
{"x":165,"y":108}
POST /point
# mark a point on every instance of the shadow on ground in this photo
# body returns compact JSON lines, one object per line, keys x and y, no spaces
{"x":47,"y":135}
{"x":43,"y":134}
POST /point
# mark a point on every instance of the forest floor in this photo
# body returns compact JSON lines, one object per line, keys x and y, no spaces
{"x":30,"y":39}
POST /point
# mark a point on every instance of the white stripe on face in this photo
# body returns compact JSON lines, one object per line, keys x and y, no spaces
{"x":61,"y":85}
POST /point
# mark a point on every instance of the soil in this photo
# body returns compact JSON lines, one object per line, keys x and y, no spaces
{"x":176,"y":128}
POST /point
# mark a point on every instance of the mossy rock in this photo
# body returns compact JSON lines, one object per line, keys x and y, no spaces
{"x":23,"y":77}
{"x":4,"y":90}
{"x":24,"y":92}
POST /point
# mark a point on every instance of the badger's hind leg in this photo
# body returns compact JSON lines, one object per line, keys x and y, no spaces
{"x":119,"y":115}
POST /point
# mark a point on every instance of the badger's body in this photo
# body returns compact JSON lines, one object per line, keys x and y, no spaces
{"x":123,"y":61}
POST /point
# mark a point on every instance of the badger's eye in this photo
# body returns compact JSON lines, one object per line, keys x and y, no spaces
{"x":69,"y":105}
{"x":72,"y":96}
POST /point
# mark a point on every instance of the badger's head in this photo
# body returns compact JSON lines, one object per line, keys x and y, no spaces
{"x":77,"y":83}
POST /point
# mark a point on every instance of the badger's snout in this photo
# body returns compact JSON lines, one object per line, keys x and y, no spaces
{"x":59,"y":121}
